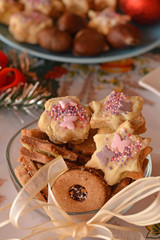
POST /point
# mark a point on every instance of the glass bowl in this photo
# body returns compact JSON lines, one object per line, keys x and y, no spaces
{"x":12,"y":154}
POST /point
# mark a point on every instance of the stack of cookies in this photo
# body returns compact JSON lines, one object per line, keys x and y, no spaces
{"x":100,"y":144}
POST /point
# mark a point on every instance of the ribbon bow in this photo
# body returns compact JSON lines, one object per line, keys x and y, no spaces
{"x":10,"y":77}
{"x":61,"y":225}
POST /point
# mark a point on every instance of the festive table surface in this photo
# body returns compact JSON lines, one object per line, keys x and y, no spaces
{"x":88,"y":82}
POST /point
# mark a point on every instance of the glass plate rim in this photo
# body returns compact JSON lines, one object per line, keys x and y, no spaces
{"x":11,"y":170}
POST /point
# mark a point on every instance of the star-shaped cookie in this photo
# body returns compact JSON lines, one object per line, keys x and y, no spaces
{"x":116,"y":108}
{"x":119,"y":154}
{"x":104,"y":20}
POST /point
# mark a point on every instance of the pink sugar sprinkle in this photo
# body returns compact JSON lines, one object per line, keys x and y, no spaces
{"x":58,"y":112}
{"x":129,"y":152}
{"x":112,"y":104}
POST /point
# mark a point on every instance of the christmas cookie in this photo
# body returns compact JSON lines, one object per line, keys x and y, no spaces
{"x":7,"y":8}
{"x":103,"y":21}
{"x":25,"y":26}
{"x":71,"y":23}
{"x":89,"y":42}
{"x":38,"y":148}
{"x":119,"y":186}
{"x":80,"y":189}
{"x":65,"y":120}
{"x":120,"y":154}
{"x":52,"y":8}
{"x":46,"y":147}
{"x":124,"y":35}
{"x":77,"y":7}
{"x":99,"y":5}
{"x":24,"y":172}
{"x":35,"y":132}
{"x":115,"y":109}
{"x":54,"y":40}
{"x":35,"y":155}
{"x":87,"y":147}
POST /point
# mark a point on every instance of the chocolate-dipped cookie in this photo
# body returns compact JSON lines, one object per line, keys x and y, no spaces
{"x":71,"y":23}
{"x":54,"y":40}
{"x":89,"y":42}
{"x":124,"y":35}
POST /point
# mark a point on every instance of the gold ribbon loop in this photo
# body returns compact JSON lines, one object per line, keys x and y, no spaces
{"x":61,"y":225}
{"x":80,"y":230}
{"x":130,"y":195}
{"x":4,"y":213}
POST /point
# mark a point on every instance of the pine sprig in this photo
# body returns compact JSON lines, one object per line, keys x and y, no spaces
{"x":28,"y":97}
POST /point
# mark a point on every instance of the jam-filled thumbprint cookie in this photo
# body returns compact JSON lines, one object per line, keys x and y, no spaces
{"x":80,"y":190}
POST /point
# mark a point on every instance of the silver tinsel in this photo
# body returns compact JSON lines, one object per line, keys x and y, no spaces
{"x":27,"y":97}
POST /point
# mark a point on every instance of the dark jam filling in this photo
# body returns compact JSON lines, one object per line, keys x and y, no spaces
{"x":78,"y":193}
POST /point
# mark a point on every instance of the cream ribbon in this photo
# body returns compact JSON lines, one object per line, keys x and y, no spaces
{"x":62,"y":226}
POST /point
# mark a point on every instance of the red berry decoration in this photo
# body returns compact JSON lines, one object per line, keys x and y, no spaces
{"x":142,"y":11}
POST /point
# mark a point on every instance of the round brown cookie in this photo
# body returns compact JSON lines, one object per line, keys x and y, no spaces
{"x":71,"y":23}
{"x":124,"y":35}
{"x":89,"y":42}
{"x":80,"y":189}
{"x":54,"y":40}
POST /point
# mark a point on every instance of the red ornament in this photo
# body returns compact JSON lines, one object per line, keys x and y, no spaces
{"x":142,"y":11}
{"x":3,"y":60}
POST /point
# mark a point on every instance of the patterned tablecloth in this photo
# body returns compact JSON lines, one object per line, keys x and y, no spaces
{"x":88,"y":82}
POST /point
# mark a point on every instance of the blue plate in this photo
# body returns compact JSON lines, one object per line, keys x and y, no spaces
{"x":150,"y":39}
